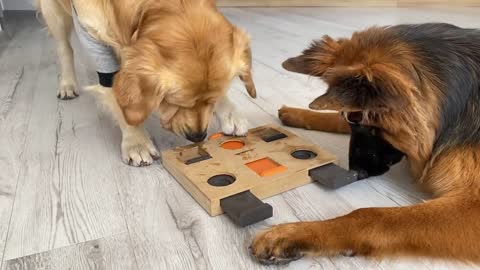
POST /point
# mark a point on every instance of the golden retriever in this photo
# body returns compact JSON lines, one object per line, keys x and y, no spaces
{"x":177,"y":59}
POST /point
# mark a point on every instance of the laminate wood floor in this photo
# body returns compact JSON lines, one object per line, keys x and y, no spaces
{"x":68,"y":202}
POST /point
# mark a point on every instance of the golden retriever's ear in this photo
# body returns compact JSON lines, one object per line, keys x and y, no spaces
{"x":317,"y":59}
{"x":241,"y":43}
{"x":246,"y":75}
{"x":132,"y":93}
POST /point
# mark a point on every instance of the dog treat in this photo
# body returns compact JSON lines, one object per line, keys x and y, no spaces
{"x":245,"y":209}
{"x":232,"y":174}
{"x":333,"y":176}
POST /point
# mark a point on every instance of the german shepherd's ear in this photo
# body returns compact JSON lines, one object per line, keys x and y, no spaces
{"x":298,"y":65}
{"x":331,"y":100}
{"x":315,"y":60}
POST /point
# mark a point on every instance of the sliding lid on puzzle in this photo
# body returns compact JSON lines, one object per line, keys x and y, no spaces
{"x":266,"y":167}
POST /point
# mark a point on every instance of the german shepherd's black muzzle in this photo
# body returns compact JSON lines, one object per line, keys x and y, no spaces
{"x":369,"y":154}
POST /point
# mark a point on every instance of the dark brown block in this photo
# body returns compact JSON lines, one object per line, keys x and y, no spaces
{"x":333,"y":176}
{"x":245,"y":209}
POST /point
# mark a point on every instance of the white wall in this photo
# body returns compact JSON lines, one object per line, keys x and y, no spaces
{"x":1,"y":14}
{"x":18,"y":4}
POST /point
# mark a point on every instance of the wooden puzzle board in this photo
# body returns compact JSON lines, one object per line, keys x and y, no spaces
{"x":292,"y":173}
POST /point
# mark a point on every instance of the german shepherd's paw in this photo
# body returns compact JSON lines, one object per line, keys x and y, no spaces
{"x":292,"y":117}
{"x":280,"y":244}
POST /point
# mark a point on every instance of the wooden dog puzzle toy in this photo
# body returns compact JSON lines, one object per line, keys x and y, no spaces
{"x":231,"y":175}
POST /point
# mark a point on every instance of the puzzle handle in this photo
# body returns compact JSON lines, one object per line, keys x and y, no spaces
{"x":245,"y":209}
{"x":333,"y":176}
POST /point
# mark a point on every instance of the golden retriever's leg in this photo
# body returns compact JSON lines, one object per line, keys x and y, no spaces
{"x":60,"y":24}
{"x":321,"y":121}
{"x":446,"y":227}
{"x":231,"y":121}
{"x":137,"y":148}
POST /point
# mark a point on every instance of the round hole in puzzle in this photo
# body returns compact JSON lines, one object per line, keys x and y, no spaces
{"x":221,"y":180}
{"x":233,"y":145}
{"x":304,"y":154}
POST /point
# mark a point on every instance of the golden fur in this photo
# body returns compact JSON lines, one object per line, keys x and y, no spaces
{"x":177,"y":57}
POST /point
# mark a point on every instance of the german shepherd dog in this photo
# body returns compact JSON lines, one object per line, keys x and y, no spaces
{"x":414,"y":90}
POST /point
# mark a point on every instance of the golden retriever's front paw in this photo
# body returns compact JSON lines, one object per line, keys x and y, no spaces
{"x":138,"y":149}
{"x":231,"y":121}
{"x":66,"y":92}
{"x":292,"y":117}
{"x":280,"y":244}
{"x":234,"y":124}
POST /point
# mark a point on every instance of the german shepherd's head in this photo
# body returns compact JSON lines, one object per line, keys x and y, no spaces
{"x":395,"y":82}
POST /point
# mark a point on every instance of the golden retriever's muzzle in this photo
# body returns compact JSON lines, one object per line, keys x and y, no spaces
{"x":196,"y":137}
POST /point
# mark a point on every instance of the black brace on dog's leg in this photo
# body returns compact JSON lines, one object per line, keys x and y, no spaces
{"x":106,"y":79}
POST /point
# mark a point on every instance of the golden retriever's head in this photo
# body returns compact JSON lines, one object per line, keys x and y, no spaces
{"x":181,"y":62}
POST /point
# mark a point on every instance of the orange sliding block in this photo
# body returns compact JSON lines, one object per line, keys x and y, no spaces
{"x":266,"y":167}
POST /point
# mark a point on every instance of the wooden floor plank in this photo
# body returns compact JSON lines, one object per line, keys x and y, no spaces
{"x":296,"y":3}
{"x":363,"y":18}
{"x":109,"y":253}
{"x":17,"y":80}
{"x":65,"y":192}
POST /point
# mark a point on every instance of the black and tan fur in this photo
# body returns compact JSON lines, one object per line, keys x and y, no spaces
{"x":419,"y":87}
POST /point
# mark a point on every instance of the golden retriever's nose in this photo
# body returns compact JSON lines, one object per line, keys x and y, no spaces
{"x":196,"y":137}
